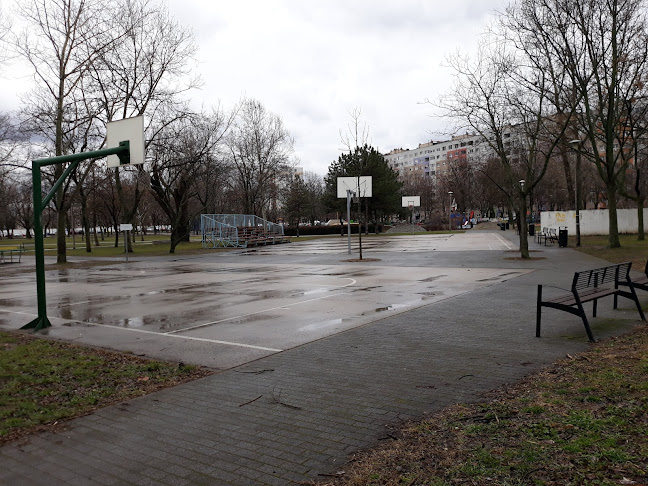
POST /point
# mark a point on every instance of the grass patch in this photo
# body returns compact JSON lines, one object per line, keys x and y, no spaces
{"x":43,"y":382}
{"x":631,"y":249}
{"x":582,"y":421}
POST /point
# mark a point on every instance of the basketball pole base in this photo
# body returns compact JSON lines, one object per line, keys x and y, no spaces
{"x":38,"y":324}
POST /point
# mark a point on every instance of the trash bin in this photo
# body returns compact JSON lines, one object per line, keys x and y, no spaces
{"x":532,"y":230}
{"x":562,"y":237}
{"x":507,"y":225}
{"x":502,"y":226}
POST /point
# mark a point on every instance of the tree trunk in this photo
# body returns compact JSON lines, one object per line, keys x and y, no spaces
{"x":84,"y":220}
{"x":613,"y":238}
{"x":522,"y":227}
{"x":127,"y":216}
{"x":94,"y":228}
{"x":641,"y":236}
{"x":176,"y":237}
{"x":367,"y":217}
{"x":61,"y":249}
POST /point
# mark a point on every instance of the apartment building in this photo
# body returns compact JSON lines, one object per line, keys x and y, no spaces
{"x":432,"y":159}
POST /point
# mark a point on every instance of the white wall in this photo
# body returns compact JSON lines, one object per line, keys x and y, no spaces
{"x":592,"y":221}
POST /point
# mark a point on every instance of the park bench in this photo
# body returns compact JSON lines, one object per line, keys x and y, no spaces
{"x":547,"y":234}
{"x":541,"y":234}
{"x":11,"y":251}
{"x":589,"y":286}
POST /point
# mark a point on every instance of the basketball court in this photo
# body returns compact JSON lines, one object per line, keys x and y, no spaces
{"x":222,"y":309}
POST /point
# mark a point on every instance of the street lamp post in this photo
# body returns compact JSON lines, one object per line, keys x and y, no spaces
{"x":522,"y":206}
{"x":577,"y":145}
{"x":450,"y":193}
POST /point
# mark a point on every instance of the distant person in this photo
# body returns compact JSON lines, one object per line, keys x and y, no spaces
{"x":341,"y":227}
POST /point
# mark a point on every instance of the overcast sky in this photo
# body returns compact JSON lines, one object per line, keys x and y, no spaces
{"x":313,"y":61}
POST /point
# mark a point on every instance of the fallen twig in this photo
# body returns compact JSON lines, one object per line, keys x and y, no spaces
{"x":247,"y":403}
{"x":278,"y":400}
{"x":255,"y":372}
{"x":464,"y":376}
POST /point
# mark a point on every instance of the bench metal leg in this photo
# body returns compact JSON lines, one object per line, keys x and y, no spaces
{"x":636,"y":301}
{"x":588,"y":329}
{"x":539,"y":311}
{"x":632,"y":295}
{"x":594,"y":307}
{"x":586,"y":324}
{"x":583,"y":314}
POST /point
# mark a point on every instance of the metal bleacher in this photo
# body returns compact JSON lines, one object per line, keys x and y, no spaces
{"x":239,"y":231}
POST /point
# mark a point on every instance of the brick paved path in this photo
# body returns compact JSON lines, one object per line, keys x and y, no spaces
{"x":291,"y":416}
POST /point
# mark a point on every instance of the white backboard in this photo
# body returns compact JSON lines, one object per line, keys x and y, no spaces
{"x":128,"y":129}
{"x":414,"y":201}
{"x":360,"y":186}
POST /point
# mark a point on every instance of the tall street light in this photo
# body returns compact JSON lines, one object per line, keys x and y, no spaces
{"x":522,"y":206}
{"x":577,"y":146}
{"x":450,"y":193}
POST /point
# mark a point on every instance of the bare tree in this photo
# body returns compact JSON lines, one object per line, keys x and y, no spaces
{"x":187,"y":167}
{"x":460,"y":178}
{"x":260,"y":149}
{"x":508,"y":96}
{"x":145,"y":74}
{"x":61,"y":41}
{"x":5,"y":28}
{"x":417,"y":184}
{"x":314,"y":186}
{"x":635,"y":157}
{"x":602,"y":45}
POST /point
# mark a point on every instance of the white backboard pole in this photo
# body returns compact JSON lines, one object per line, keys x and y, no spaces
{"x":411,"y":202}
{"x":349,"y":196}
{"x":348,"y":187}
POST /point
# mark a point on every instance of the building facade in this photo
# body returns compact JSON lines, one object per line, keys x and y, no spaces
{"x":432,"y":159}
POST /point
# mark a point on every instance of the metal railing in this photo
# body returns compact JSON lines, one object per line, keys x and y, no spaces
{"x":222,"y":230}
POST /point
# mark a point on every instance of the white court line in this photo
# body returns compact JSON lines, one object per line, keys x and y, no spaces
{"x":189,"y":338}
{"x":28,"y":314}
{"x":281,"y":307}
{"x":506,"y":243}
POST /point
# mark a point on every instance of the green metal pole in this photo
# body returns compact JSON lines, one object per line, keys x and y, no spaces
{"x":123,"y":151}
{"x":41,"y":321}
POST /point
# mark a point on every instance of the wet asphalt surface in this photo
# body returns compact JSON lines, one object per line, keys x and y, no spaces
{"x":319,"y":355}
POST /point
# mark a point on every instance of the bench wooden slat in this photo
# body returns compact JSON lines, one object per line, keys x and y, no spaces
{"x":584,"y":297}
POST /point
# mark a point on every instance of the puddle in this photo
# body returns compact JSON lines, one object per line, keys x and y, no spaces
{"x":322,"y":325}
{"x":317,"y":291}
{"x":397,"y":306}
{"x":135,"y":322}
